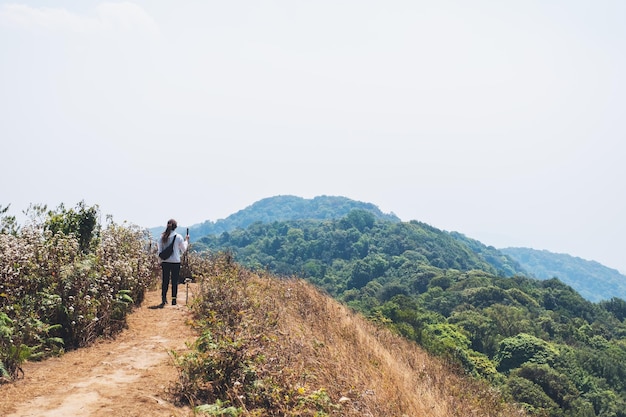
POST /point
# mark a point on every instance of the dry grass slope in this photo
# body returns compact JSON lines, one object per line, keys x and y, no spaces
{"x":381,"y":373}
{"x":318,"y":355}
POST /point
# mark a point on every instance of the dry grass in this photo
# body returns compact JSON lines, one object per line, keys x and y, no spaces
{"x":316,"y":357}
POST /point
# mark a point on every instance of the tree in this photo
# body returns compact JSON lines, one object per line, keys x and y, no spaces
{"x":8,"y":224}
{"x":392,"y":289}
{"x":517,"y":350}
{"x":509,"y":320}
{"x":361,"y":274}
{"x":617,"y":306}
{"x":481,"y":329}
{"x":556,"y":385}
{"x":530,"y":394}
{"x":81,"y":222}
{"x":360,"y":219}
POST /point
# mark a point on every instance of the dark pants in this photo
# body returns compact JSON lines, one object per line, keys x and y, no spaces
{"x":171,"y":271}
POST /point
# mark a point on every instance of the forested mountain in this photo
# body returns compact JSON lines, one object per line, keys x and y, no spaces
{"x":594,"y":281}
{"x":538,"y":341}
{"x":316,"y":248}
{"x":591,"y":279}
{"x":284,"y":207}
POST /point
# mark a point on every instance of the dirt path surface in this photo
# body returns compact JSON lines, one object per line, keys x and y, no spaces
{"x":128,"y":376}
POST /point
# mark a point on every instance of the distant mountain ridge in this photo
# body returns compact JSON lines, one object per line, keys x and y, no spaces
{"x":283,"y":208}
{"x":594,"y":281}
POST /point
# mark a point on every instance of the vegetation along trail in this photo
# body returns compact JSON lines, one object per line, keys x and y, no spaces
{"x":127,"y":376}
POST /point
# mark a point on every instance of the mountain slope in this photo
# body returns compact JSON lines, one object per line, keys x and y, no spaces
{"x":592,"y":280}
{"x":294,"y":351}
{"x":522,"y":333}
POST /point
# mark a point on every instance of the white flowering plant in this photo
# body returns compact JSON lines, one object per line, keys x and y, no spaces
{"x":66,"y":280}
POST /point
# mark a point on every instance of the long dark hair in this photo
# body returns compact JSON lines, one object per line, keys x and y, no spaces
{"x":171,"y":226}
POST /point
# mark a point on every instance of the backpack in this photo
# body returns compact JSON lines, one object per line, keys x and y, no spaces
{"x":169,"y":249}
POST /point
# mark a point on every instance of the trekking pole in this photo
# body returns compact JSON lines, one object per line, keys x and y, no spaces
{"x":187,"y":279}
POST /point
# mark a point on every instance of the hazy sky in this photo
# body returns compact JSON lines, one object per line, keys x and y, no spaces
{"x":503,"y":120}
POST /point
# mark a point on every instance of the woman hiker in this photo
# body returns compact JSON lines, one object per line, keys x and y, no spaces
{"x":171,"y":265}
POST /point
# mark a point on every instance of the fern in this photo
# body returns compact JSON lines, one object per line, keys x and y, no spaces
{"x":124,"y":296}
{"x":6,"y":328}
{"x":4,"y":374}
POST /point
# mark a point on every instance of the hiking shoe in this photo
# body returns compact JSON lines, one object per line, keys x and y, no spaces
{"x":173,"y":301}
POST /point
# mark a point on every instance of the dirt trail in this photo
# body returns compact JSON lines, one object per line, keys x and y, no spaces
{"x":128,"y":376}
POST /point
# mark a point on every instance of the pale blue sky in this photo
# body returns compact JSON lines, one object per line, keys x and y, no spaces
{"x":503,"y":120}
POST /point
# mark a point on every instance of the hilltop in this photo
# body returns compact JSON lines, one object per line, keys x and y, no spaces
{"x":280,"y":208}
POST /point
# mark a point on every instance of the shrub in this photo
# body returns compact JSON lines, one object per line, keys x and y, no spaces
{"x":517,"y":350}
{"x":62,"y":285}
